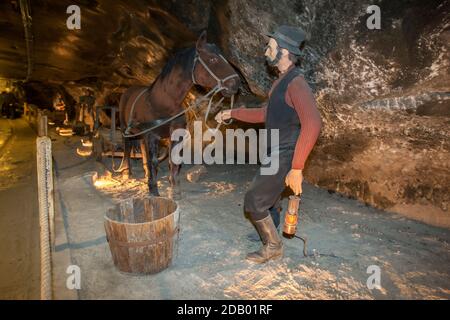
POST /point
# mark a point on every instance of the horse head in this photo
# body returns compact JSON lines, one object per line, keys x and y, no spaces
{"x":211,"y":69}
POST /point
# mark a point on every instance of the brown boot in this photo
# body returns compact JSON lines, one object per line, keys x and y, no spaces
{"x":272,"y":244}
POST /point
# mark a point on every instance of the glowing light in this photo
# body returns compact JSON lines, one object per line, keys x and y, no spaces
{"x":86,"y":143}
{"x":84,"y":152}
{"x":66,"y":132}
{"x":104,"y":181}
{"x":291,"y":219}
{"x":99,"y":183}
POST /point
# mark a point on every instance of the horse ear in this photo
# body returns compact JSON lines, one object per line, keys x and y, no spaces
{"x":201,"y":42}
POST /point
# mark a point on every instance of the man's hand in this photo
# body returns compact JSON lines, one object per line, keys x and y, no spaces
{"x":294,"y":181}
{"x":223,"y":116}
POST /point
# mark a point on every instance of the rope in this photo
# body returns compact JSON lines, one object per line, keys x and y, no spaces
{"x":315,"y":253}
{"x":45,"y":187}
{"x":211,"y":93}
{"x":113,"y":165}
{"x":220,"y":123}
{"x":178,"y":232}
{"x":208,"y":109}
{"x":304,"y":239}
{"x":27,"y":25}
{"x":132,"y":109}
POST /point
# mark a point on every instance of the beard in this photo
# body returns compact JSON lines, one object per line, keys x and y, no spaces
{"x":274,"y":62}
{"x":272,"y":70}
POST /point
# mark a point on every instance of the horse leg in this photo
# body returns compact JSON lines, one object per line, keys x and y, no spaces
{"x":144,"y":152}
{"x":174,"y":176}
{"x":152,"y":144}
{"x":126,"y":165}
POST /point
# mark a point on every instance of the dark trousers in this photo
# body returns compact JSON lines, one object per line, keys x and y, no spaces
{"x":265,"y":190}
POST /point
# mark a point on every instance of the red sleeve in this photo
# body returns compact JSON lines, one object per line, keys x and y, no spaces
{"x":300,"y":97}
{"x":251,"y":115}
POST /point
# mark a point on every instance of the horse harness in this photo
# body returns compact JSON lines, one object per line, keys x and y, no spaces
{"x":160,"y":122}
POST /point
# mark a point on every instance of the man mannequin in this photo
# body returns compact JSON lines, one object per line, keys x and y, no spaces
{"x":292,"y":110}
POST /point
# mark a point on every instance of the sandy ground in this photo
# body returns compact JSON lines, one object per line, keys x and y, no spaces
{"x":19,"y":219}
{"x":345,"y":237}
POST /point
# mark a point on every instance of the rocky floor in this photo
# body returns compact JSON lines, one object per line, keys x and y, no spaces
{"x":344,"y":238}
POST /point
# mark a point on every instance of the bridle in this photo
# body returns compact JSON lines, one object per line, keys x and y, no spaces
{"x":218,"y":88}
{"x":219,"y":81}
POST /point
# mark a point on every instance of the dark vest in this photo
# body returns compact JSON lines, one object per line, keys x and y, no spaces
{"x":281,"y":116}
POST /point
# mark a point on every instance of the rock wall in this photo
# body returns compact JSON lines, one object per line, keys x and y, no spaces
{"x":383,"y":94}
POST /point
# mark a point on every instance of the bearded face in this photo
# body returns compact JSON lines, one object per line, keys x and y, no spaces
{"x":273,"y":53}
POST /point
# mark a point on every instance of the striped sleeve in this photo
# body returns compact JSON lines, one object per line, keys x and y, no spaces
{"x":250,"y":115}
{"x":300,"y":97}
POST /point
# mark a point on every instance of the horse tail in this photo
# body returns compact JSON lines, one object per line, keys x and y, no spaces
{"x":163,"y":155}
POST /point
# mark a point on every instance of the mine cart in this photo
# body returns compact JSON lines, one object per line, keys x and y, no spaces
{"x":107,"y":138}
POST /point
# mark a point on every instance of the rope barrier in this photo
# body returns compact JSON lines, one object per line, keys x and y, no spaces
{"x":46,"y":212}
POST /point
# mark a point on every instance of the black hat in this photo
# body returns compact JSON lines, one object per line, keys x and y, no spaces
{"x":289,"y":38}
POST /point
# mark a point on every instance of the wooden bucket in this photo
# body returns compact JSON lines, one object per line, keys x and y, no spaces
{"x":140,"y":233}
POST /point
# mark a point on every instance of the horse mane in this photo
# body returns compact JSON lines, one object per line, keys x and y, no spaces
{"x":185,"y":59}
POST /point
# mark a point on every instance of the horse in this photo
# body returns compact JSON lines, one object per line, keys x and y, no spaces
{"x":140,"y":106}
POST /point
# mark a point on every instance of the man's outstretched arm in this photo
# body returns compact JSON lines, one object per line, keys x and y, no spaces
{"x":250,"y":115}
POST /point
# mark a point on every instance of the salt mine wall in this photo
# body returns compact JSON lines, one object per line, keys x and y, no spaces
{"x":384,"y":95}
